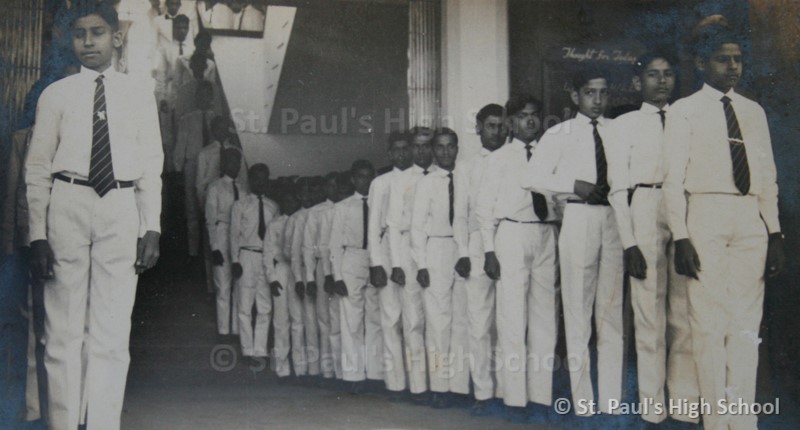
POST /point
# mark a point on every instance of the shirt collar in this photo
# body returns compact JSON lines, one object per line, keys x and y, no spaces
{"x":523,"y":144}
{"x":419,"y":169}
{"x":484,"y":152}
{"x":227,"y":178}
{"x":716,"y":94}
{"x":358,"y":196}
{"x":583,"y":119}
{"x":652,"y":109}
{"x":92,"y":74}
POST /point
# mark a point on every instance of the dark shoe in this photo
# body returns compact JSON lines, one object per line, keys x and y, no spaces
{"x":357,"y":388}
{"x":481,"y":408}
{"x":420,"y":399}
{"x":439,"y":401}
{"x":516,"y":415}
{"x":396,"y":396}
{"x":538,"y":413}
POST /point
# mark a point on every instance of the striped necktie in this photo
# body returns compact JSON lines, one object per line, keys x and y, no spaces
{"x":365,"y":213}
{"x":262,"y":225}
{"x":599,"y":157}
{"x":663,"y":114}
{"x":741,"y":169}
{"x":101,"y":170}
{"x":450,"y":191}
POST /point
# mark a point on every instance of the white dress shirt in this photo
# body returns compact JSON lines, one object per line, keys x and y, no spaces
{"x":378,"y":212}
{"x":430,"y":216}
{"x":164,"y":22}
{"x":218,"y":206}
{"x":171,"y":70}
{"x":401,"y":202}
{"x":347,"y":230}
{"x":501,"y":195}
{"x":699,"y":158}
{"x":564,"y":155}
{"x":468,"y":179}
{"x":249,"y":19}
{"x":189,"y":140}
{"x":208,"y":168}
{"x":300,"y":219}
{"x":273,"y":246}
{"x":62,"y":142}
{"x":634,"y":147}
{"x":316,"y":237}
{"x":244,"y":223}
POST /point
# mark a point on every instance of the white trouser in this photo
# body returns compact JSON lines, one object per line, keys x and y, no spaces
{"x":413,"y":316}
{"x":310,"y":327}
{"x":481,"y":323}
{"x":323,"y":322}
{"x":227,"y":298}
{"x":527,"y":302}
{"x":391,"y":309}
{"x":648,"y":298}
{"x":591,"y":273}
{"x":335,"y":334}
{"x":281,"y":322}
{"x":299,"y":357}
{"x":253,"y":289}
{"x":681,"y":369}
{"x":373,"y":334}
{"x":355,"y":272}
{"x":445,"y":302}
{"x":33,"y":404}
{"x":94,"y":244}
{"x":725,"y":304}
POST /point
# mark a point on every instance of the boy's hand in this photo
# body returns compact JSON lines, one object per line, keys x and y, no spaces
{"x":635,"y":263}
{"x":147,"y":251}
{"x":423,"y":278}
{"x":42,"y":259}
{"x":236,"y":270}
{"x":340,"y":287}
{"x":687,"y":262}
{"x":583,"y":189}
{"x":398,"y":276}
{"x":216,"y":257}
{"x":377,"y":276}
{"x":275,"y":288}
{"x":311,"y":289}
{"x":463,"y":267}
{"x":491,"y":266}
{"x":300,"y":290}
{"x":328,"y":286}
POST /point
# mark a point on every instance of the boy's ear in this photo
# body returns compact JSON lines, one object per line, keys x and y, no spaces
{"x":574,"y":96}
{"x":637,"y":83}
{"x":116,"y":39}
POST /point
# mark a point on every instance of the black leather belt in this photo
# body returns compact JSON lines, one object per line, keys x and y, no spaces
{"x":85,"y":183}
{"x":656,"y":186}
{"x":521,"y":222}
{"x":251,"y":250}
{"x":584,"y":202}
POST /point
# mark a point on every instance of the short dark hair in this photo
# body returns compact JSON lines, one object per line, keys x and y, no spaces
{"x":258,"y":167}
{"x":361,"y":164}
{"x":203,"y":38}
{"x":420,"y":131}
{"x":397,"y":136}
{"x":231,"y":152}
{"x":586,"y":74}
{"x":103,"y":9}
{"x":316,"y":182}
{"x":653,"y":54}
{"x":517,"y":102}
{"x":331,"y":176}
{"x":343,"y":179}
{"x":444,"y":131}
{"x":492,"y":109}
{"x":180,"y":19}
{"x":710,"y":38}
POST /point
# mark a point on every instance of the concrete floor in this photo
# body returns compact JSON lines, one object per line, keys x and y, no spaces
{"x":173,"y":383}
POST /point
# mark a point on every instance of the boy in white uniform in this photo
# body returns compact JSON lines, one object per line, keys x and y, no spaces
{"x":435,"y":252}
{"x":249,"y":218}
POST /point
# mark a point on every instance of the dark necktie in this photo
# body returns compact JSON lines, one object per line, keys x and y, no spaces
{"x":235,"y":191}
{"x":450,"y":190}
{"x":663,"y":114}
{"x":599,"y":157}
{"x":539,"y":202}
{"x":221,"y":151}
{"x":741,"y":170}
{"x":101,"y":170}
{"x":205,"y":129}
{"x":180,"y":49}
{"x":425,"y":172}
{"x":365,"y":212}
{"x":241,"y":19}
{"x":262,"y":225}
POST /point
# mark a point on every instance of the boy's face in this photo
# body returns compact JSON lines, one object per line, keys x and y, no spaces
{"x":362,"y":179}
{"x":332,"y":190}
{"x":318,"y":193}
{"x":344,"y":189}
{"x":592,"y":98}
{"x":306,"y":197}
{"x":173,"y":6}
{"x":656,"y":82}
{"x":259,"y":182}
{"x":421,"y":151}
{"x":231,"y":165}
{"x":219,"y":129}
{"x":493,"y":132}
{"x":445,"y":149}
{"x":400,"y":154}
{"x":155,"y":4}
{"x":723,"y":68}
{"x":94,"y":41}
{"x":526,"y":123}
{"x":236,"y":5}
{"x":289,"y":204}
{"x":180,"y":30}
